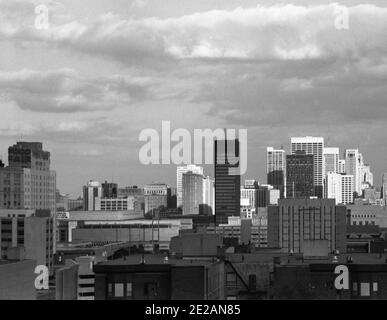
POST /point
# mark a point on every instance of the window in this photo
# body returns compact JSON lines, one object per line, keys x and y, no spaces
{"x":375,"y":287}
{"x":110,"y":290}
{"x":118,"y":290}
{"x":129,"y":289}
{"x":231,"y":279}
{"x":365,"y":289}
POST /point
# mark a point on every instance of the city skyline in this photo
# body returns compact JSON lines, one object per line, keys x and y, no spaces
{"x":90,"y":83}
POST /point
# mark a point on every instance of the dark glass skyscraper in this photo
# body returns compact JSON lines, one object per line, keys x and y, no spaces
{"x":300,"y":175}
{"x":227,"y":186}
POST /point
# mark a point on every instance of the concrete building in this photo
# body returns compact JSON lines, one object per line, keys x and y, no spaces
{"x":331,"y":160}
{"x":300,"y":175}
{"x":353,"y":166}
{"x":192,"y":193}
{"x":30,"y":229}
{"x":179,"y":180}
{"x":91,"y":192}
{"x":312,"y":146}
{"x":276,"y":169}
{"x":17,"y":280}
{"x":227,"y":179}
{"x":157,"y":277}
{"x":109,"y":190}
{"x":208,"y":196}
{"x":75,"y":281}
{"x":339,"y":187}
{"x":366,"y":214}
{"x":342,"y":166}
{"x":313,"y":227}
{"x":384,"y":188}
{"x":156,"y":196}
{"x":27,"y":182}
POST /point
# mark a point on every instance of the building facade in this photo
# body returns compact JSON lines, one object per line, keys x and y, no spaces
{"x":276,"y":169}
{"x":300,"y":175}
{"x":314,"y":227}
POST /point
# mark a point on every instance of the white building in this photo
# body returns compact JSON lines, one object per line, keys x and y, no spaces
{"x":331,"y":159}
{"x":339,"y":187}
{"x":91,"y":192}
{"x":276,"y":168}
{"x":314,"y":146}
{"x":179,"y":179}
{"x":209,"y":194}
{"x":341,"y":166}
{"x":384,"y":189}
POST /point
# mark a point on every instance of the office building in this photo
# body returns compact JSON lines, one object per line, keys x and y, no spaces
{"x":276,"y":169}
{"x":208,"y":196}
{"x":109,"y":190}
{"x":300,"y":175}
{"x":249,"y":194}
{"x":312,"y":146}
{"x":17,"y":279}
{"x":156,"y":197}
{"x":384,"y":189}
{"x":341,"y":166}
{"x":179,"y":180}
{"x":331,"y":160}
{"x":27,"y":182}
{"x":192,"y":193}
{"x":339,"y":187}
{"x":313,"y":227}
{"x":31,"y":229}
{"x":91,"y":192}
{"x":227,"y":179}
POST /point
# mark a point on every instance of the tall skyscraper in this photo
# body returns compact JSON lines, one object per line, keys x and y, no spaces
{"x":91,"y":192}
{"x":314,"y":227}
{"x":192,"y":193}
{"x":179,"y":179}
{"x":227,"y":182}
{"x":331,"y":160}
{"x":276,"y":169}
{"x":384,"y":189}
{"x":313,"y":146}
{"x":300,"y":175}
{"x":208,"y":196}
{"x":27,"y":182}
{"x":352,"y":167}
{"x":339,"y":187}
{"x":341,"y":166}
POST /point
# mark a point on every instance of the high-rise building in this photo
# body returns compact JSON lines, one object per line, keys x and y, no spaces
{"x":179,"y":179}
{"x":192,"y":193}
{"x":109,"y":190}
{"x":384,"y":189}
{"x":313,"y":146}
{"x":366,"y":177}
{"x":27,"y":182}
{"x":339,"y":187}
{"x":208,"y":196}
{"x":249,"y":194}
{"x":227,"y":179}
{"x":276,"y":169}
{"x":300,"y":175}
{"x":341,"y":166}
{"x":91,"y":193}
{"x":314,"y":227}
{"x":353,"y":165}
{"x":156,"y":197}
{"x":331,"y":160}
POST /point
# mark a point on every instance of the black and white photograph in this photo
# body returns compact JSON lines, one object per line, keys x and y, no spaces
{"x":193,"y":155}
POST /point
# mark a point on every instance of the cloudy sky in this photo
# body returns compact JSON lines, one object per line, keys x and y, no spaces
{"x":105,"y":70}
